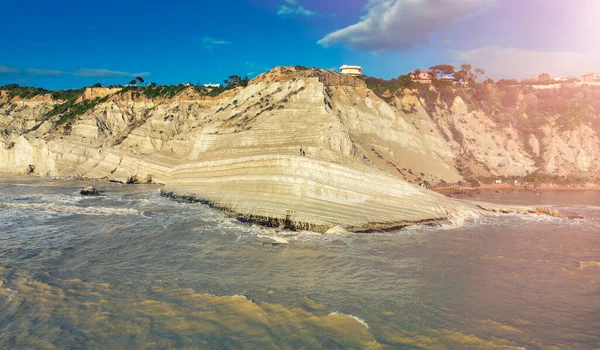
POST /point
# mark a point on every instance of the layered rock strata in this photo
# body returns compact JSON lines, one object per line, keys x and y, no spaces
{"x":300,"y":149}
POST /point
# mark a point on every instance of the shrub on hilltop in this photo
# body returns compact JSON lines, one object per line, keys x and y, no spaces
{"x":387,"y":88}
{"x":25,"y":92}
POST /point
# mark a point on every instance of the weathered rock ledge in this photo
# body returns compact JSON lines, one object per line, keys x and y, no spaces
{"x":291,"y":224}
{"x":518,"y":210}
{"x":301,"y":193}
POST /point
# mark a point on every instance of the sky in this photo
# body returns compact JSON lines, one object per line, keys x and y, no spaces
{"x":69,"y":44}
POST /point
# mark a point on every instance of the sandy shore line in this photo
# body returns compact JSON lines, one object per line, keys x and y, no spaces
{"x":442,"y":190}
{"x":518,"y":188}
{"x":325,"y":199}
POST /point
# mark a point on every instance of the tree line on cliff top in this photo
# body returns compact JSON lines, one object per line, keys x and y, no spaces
{"x":71,"y":106}
{"x":507,"y":101}
{"x":150,"y":90}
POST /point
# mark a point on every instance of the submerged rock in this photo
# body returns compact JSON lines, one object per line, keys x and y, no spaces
{"x":575,"y":217}
{"x":546,"y":211}
{"x":587,"y":264}
{"x":89,"y":191}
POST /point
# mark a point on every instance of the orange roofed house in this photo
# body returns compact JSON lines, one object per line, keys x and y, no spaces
{"x":591,"y":77}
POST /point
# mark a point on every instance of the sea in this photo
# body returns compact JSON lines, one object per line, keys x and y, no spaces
{"x":130,"y":269}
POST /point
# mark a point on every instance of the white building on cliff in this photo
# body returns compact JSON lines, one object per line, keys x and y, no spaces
{"x":593,"y":77}
{"x":351,"y":70}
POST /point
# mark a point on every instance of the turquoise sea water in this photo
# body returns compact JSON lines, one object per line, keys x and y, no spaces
{"x":132,"y":269}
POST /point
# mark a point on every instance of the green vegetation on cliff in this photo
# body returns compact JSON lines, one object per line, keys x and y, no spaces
{"x":69,"y":110}
{"x":26,"y":92}
{"x":521,"y":106}
{"x":530,"y":138}
{"x":385,"y":89}
{"x":154,"y":91}
{"x":14,"y":90}
{"x":534,"y":109}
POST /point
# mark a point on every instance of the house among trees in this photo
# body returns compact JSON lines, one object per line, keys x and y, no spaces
{"x":566,"y":79}
{"x":591,"y":77}
{"x":447,"y":73}
{"x":422,"y":76}
{"x":450,"y":78}
{"x":351,"y":70}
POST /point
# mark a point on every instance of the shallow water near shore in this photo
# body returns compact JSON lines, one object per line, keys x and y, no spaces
{"x":132,"y":269}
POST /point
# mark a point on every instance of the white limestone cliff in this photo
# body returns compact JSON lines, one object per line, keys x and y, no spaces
{"x":304,"y":149}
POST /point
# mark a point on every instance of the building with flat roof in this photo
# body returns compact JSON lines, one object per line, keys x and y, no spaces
{"x":351,"y":70}
{"x":591,"y":77}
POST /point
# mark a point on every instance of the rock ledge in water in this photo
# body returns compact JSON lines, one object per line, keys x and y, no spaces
{"x":89,"y":191}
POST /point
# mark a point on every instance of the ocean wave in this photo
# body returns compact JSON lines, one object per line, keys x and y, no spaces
{"x":230,"y":318}
{"x":472,"y":219}
{"x":49,"y":198}
{"x":589,"y":264}
{"x":530,"y":218}
{"x":275,"y":238}
{"x":70,"y":209}
{"x":580,"y":206}
{"x":358,"y":319}
{"x":459,"y":219}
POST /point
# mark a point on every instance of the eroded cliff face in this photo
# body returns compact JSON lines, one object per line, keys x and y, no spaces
{"x":307,"y":149}
{"x":485,"y":148}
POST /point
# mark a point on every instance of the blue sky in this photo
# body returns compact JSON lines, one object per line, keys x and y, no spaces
{"x":67,"y":44}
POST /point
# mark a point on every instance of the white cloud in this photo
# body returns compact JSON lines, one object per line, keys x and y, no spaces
{"x":209,"y":43}
{"x":516,"y":63}
{"x":401,"y":24}
{"x":80,"y":73}
{"x":106,"y":73}
{"x":293,"y":8}
{"x":9,"y":70}
{"x":44,"y":72}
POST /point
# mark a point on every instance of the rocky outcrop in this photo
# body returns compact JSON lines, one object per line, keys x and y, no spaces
{"x":305,"y":149}
{"x":306,"y":193}
{"x":327,"y":78}
{"x":89,"y":191}
{"x":91,"y":93}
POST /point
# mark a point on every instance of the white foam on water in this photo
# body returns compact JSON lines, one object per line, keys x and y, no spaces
{"x":358,"y":319}
{"x":70,"y":209}
{"x":459,"y":219}
{"x":275,"y":238}
{"x":241,"y":296}
{"x":7,"y":217}
{"x":533,"y":219}
{"x":141,"y":201}
{"x":11,"y":293}
{"x":50,"y":198}
{"x":287,"y":236}
{"x":542,"y":218}
{"x":411,"y":230}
